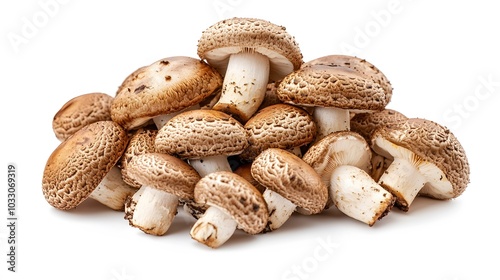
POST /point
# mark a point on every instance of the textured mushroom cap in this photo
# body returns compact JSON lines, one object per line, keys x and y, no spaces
{"x":236,"y":197}
{"x":325,"y":86}
{"x":357,"y":64}
{"x":164,"y":172}
{"x":431,"y":142}
{"x":141,"y":142}
{"x":278,"y":126}
{"x":77,"y":166}
{"x":201,"y":133}
{"x":292,"y":178}
{"x":235,"y":35}
{"x":81,"y":111}
{"x":166,"y":86}
{"x":366,"y":123}
{"x":245,"y":171}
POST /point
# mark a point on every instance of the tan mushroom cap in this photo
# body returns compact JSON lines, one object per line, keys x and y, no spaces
{"x":201,"y":133}
{"x":236,"y":197}
{"x":77,"y":166}
{"x":357,"y":64}
{"x":164,"y":172}
{"x":81,"y":111}
{"x":366,"y":123}
{"x":325,"y":86}
{"x":235,"y":35}
{"x":278,"y":126}
{"x":434,"y":143}
{"x":292,"y":178}
{"x":166,"y":86}
{"x":245,"y":171}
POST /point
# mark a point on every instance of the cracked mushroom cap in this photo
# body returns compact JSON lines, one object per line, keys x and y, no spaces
{"x":278,"y":126}
{"x":164,"y":172}
{"x":366,"y":123}
{"x":235,"y":35}
{"x":292,"y":178}
{"x":325,"y":86}
{"x":430,"y":142}
{"x":168,"y":85}
{"x":235,"y":196}
{"x":357,"y":64}
{"x":77,"y":166}
{"x":201,"y":133}
{"x":81,"y":111}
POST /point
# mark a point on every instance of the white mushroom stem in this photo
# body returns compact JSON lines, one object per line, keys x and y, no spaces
{"x":357,"y":195}
{"x":279,"y":208}
{"x":207,"y":165}
{"x":214,"y":228}
{"x":329,"y":119}
{"x":244,"y":85}
{"x":152,"y":210}
{"x":161,"y":120}
{"x":112,"y":191}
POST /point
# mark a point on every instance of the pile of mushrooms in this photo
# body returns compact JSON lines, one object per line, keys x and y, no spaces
{"x":245,"y":136}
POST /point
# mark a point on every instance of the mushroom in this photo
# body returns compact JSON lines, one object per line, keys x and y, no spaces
{"x":232,"y":203}
{"x":162,"y":89}
{"x":427,"y":160}
{"x":84,"y":165}
{"x":81,"y":111}
{"x":270,"y":97}
{"x":290,"y":183}
{"x":249,"y":53}
{"x":245,"y":171}
{"x":165,"y":179}
{"x":278,"y":126}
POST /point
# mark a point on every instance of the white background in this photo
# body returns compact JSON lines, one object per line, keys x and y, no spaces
{"x":441,"y":58}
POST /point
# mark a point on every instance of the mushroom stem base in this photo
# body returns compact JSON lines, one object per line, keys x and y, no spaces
{"x":113,"y":191}
{"x":207,"y":165}
{"x":329,"y":119}
{"x":214,"y":228}
{"x":279,"y":208}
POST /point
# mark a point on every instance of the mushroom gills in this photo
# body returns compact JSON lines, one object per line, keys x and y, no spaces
{"x":214,"y":228}
{"x":112,"y":191}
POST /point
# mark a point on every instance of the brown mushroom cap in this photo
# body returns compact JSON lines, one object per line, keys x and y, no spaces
{"x":431,"y":142}
{"x":357,"y":64}
{"x":81,"y":111}
{"x":366,"y":123}
{"x":164,"y":172}
{"x":168,"y":85}
{"x":235,"y":35}
{"x":245,"y":171}
{"x":278,"y":126}
{"x":141,"y":142}
{"x":292,"y":178}
{"x":77,"y":166}
{"x":201,"y":133}
{"x":235,"y":196}
{"x":325,"y":86}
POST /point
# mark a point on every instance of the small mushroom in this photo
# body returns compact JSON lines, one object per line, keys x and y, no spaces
{"x":290,"y":183}
{"x":165,"y":179}
{"x":81,"y":111}
{"x":232,"y":203}
{"x":249,"y":53}
{"x":84,"y":165}
{"x":162,"y":89}
{"x":427,"y":160}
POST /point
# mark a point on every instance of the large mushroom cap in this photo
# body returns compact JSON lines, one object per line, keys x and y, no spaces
{"x":81,"y":111}
{"x":201,"y":133}
{"x":77,"y":166}
{"x":236,"y":197}
{"x":366,"y":123}
{"x":235,"y":35}
{"x":292,"y":178}
{"x":325,"y":86}
{"x":431,"y":142}
{"x":164,"y":172}
{"x":168,"y":85}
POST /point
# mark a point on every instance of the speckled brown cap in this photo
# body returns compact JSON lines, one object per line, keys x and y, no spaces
{"x":81,"y":111}
{"x":366,"y":123}
{"x":141,"y":142}
{"x":168,"y":85}
{"x":201,"y":133}
{"x":292,"y":178}
{"x":434,"y":143}
{"x":235,"y":35}
{"x":281,"y":126}
{"x":77,"y":166}
{"x":325,"y":86}
{"x":164,"y":172}
{"x":357,"y":64}
{"x":245,"y":171}
{"x":236,"y":197}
